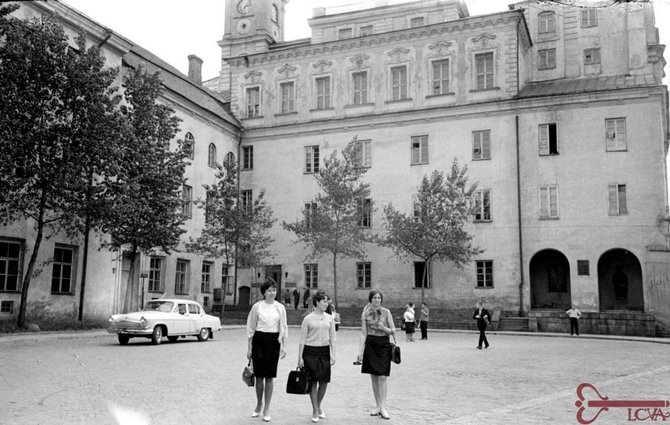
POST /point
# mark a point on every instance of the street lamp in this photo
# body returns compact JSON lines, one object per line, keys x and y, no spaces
{"x":143,"y":276}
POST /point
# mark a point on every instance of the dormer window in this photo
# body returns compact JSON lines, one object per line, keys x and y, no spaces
{"x":275,"y":14}
{"x":416,"y":22}
{"x":344,"y":33}
{"x":547,"y":23}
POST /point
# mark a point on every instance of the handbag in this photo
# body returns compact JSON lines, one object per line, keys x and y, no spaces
{"x":402,"y":325}
{"x":298,"y":382}
{"x":248,"y":376}
{"x":395,"y":351}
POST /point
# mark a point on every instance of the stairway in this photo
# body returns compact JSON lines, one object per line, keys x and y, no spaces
{"x":513,"y":324}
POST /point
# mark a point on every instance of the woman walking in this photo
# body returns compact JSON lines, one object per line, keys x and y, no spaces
{"x":317,"y":351}
{"x":375,"y":349}
{"x":267,"y":332}
{"x":408,"y":317}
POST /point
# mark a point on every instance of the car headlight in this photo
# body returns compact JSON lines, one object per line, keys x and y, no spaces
{"x":143,"y":322}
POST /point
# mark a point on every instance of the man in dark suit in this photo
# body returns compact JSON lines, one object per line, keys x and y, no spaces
{"x":483,"y":318}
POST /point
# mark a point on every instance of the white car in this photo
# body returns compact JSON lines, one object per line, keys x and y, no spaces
{"x":165,"y":317}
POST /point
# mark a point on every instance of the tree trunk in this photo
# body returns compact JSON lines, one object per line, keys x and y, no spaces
{"x":335,"y":280}
{"x":424,"y":278}
{"x":87,"y":228}
{"x":129,"y":303}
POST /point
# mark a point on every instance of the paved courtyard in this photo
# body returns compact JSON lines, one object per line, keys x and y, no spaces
{"x":90,"y":379}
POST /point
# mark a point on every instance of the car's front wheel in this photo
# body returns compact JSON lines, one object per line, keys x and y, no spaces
{"x":203,"y":335}
{"x":157,"y":335}
{"x":123,"y":339}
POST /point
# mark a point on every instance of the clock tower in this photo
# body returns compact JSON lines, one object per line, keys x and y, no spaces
{"x":251,"y":27}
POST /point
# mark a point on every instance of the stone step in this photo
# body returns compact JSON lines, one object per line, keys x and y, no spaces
{"x":513,"y":324}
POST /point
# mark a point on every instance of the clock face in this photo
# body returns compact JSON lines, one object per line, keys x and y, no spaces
{"x":243,"y":6}
{"x":243,"y":26}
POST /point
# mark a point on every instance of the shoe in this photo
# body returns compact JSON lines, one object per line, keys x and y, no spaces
{"x":486,"y":346}
{"x":374,"y":413}
{"x":383,"y":416}
{"x":255,"y":414}
{"x":479,"y":348}
{"x":267,"y":418}
{"x":322,"y":415}
{"x":315,"y":420}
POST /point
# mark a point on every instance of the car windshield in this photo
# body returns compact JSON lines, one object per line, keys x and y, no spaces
{"x":164,"y":306}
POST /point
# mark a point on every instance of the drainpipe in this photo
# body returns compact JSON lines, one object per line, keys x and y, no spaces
{"x":522,"y":312}
{"x":239,"y":149}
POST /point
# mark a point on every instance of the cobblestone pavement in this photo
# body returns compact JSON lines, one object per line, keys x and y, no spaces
{"x":90,"y":379}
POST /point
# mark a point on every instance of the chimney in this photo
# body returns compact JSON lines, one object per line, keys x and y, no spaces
{"x":195,"y":68}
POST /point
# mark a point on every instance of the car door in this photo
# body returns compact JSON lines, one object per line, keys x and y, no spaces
{"x":194,"y":316}
{"x":181,"y":320}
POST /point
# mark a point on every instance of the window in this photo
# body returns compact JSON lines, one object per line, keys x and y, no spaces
{"x":312,"y":276}
{"x":482,"y":205}
{"x":421,"y":274}
{"x":322,"y":92}
{"x":416,"y":22}
{"x":484,"y":273}
{"x":230,"y":159}
{"x":546,"y":23}
{"x":365,"y":213}
{"x":549,"y":202}
{"x":247,"y":201}
{"x":589,"y":17}
{"x":211,"y":157}
{"x":206,"y":277}
{"x":226,"y":283}
{"x":247,"y":157}
{"x":344,"y":33}
{"x":6,"y":307}
{"x":253,"y":102}
{"x":591,"y":56}
{"x":481,"y":144}
{"x":617,"y":199}
{"x":181,"y":277}
{"x":419,"y":150}
{"x":62,"y":270}
{"x":484,"y":71}
{"x":557,"y":278}
{"x":360,"y":83}
{"x":189,"y":143}
{"x":155,"y":274}
{"x":287,"y":96}
{"x":583,"y":268}
{"x":615,"y":129}
{"x":310,"y":214}
{"x":363,"y":275}
{"x":365,"y":153}
{"x":441,"y":77}
{"x":399,"y":82}
{"x":10,"y":259}
{"x":194,"y":308}
{"x":548,"y":140}
{"x":311,"y":159}
{"x":547,"y":59}
{"x":187,"y":201}
{"x":365,"y":30}
{"x":275,"y":14}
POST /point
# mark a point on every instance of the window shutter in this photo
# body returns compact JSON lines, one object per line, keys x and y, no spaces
{"x":610,"y":135}
{"x":486,"y":145}
{"x":424,"y":150}
{"x":612,"y":197}
{"x":544,"y":139}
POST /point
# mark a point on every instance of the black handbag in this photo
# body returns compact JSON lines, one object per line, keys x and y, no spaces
{"x":395,"y":351}
{"x":248,"y":376}
{"x":298,"y":382}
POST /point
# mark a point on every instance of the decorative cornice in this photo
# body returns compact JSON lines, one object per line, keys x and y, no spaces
{"x":441,"y":47}
{"x":287,"y":70}
{"x":322,"y":65}
{"x":359,"y":61}
{"x":399,"y":54}
{"x":483,"y":37}
{"x":253,"y":77}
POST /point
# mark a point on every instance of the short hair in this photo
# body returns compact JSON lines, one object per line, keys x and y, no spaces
{"x":318,"y":297}
{"x":373,"y":293}
{"x":267,"y":285}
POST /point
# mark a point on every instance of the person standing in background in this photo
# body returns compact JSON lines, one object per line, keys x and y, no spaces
{"x":423,"y":320}
{"x":574,"y":316}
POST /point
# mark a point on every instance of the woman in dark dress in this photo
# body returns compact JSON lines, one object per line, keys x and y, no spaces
{"x":375,"y":349}
{"x":267,"y":331}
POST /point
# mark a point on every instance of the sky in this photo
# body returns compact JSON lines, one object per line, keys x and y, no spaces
{"x":174,"y":29}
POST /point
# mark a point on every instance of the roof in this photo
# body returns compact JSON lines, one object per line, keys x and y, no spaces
{"x":179,"y":83}
{"x":585,"y":85}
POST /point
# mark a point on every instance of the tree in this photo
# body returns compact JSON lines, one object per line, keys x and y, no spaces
{"x":144,"y":203}
{"x":333,"y":225}
{"x":58,"y":110}
{"x":233,"y":222}
{"x":435,"y":230}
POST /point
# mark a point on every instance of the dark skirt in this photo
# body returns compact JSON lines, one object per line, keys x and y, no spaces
{"x":377,"y":356}
{"x":265,"y":353}
{"x":409,"y":327}
{"x":317,"y":362}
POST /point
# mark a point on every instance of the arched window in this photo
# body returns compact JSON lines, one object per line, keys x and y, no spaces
{"x":230,"y":159}
{"x":546,"y":22}
{"x":211,"y":157}
{"x":275,"y":13}
{"x":189,"y":142}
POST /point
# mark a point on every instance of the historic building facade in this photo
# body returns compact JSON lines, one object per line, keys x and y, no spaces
{"x":564,"y":131}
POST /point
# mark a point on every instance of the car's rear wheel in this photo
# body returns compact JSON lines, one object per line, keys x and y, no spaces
{"x":173,"y":338}
{"x":203,"y":335}
{"x":157,"y":335}
{"x":123,"y":339}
